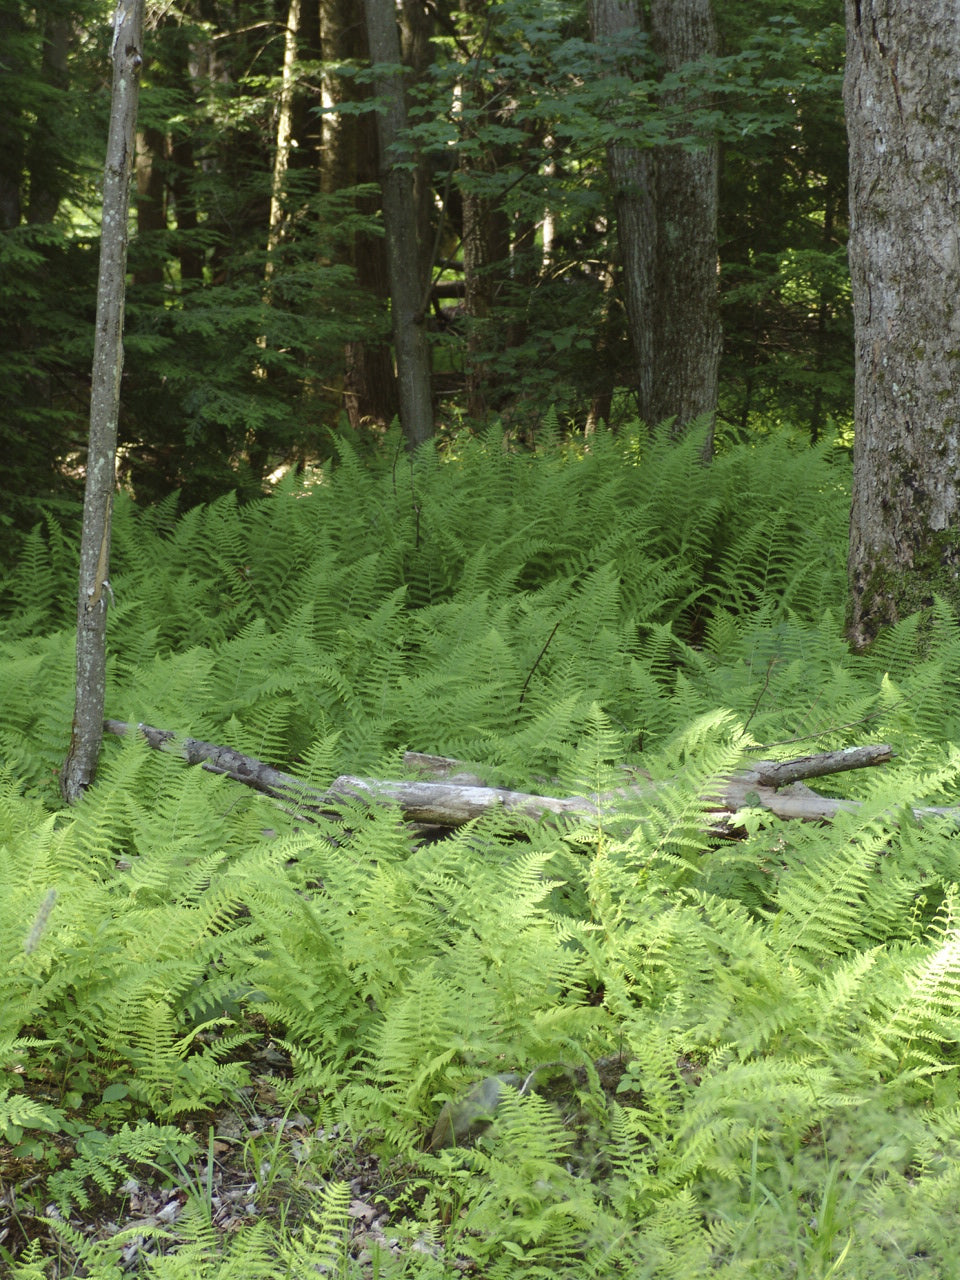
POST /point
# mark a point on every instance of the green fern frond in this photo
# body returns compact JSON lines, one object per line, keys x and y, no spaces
{"x":106,"y":1159}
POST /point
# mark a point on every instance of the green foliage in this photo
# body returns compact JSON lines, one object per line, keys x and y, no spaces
{"x":716,"y":1058}
{"x":237,"y":315}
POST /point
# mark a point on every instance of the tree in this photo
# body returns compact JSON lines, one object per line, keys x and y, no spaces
{"x":81,"y":762}
{"x":785,"y":284}
{"x":400,"y":224}
{"x":902,"y":100}
{"x":686,"y":307}
{"x":349,"y":158}
{"x":666,"y":209}
{"x":631,"y":171}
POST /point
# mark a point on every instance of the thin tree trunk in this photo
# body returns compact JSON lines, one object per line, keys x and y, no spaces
{"x":80,"y":765}
{"x":151,"y":204}
{"x":350,"y":157}
{"x":632,"y":177}
{"x":902,"y":99}
{"x":400,"y":224}
{"x":686,"y":311}
{"x":281,"y":155}
{"x":44,"y":159}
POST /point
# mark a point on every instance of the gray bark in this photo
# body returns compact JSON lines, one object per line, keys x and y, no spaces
{"x":686,"y":341}
{"x":902,"y":100}
{"x":462,"y":796}
{"x":400,"y":226}
{"x":81,"y":762}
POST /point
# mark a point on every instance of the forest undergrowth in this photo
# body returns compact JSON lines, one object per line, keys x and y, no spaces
{"x":237,"y":1043}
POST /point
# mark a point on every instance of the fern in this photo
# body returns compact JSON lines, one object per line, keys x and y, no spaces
{"x":106,"y":1159}
{"x":785,"y":1008}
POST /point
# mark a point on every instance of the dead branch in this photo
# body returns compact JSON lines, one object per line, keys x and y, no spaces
{"x":449,"y":795}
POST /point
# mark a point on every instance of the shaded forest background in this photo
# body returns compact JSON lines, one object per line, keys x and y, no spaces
{"x":257,"y":311}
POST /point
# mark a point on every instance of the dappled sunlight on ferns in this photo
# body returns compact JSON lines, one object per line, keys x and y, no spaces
{"x":622,"y":623}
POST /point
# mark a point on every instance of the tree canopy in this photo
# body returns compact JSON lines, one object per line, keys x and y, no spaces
{"x":258,"y":310}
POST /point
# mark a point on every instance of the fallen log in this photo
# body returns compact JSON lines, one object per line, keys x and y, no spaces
{"x":450,"y":795}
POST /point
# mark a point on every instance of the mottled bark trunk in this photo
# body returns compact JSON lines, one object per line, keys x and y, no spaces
{"x":80,"y":765}
{"x":686,"y":313}
{"x":902,"y":99}
{"x":400,"y":225}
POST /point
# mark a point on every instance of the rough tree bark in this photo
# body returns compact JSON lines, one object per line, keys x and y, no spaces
{"x":400,"y":224}
{"x":902,"y":100}
{"x":87,"y":734}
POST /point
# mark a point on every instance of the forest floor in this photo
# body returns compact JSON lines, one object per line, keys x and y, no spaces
{"x":258,"y":1159}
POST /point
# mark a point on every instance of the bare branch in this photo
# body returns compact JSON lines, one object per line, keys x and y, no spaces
{"x":451,"y":796}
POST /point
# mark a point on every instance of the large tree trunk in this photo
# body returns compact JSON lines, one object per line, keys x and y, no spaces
{"x":686,"y":312}
{"x":81,"y":762}
{"x":902,"y":98}
{"x":400,"y":224}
